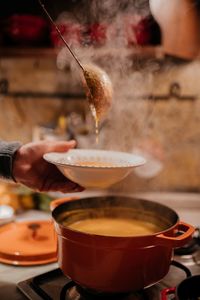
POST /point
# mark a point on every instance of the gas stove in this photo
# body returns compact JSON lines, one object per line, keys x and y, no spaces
{"x":53,"y":285}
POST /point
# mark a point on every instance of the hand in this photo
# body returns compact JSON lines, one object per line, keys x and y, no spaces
{"x":30,"y":169}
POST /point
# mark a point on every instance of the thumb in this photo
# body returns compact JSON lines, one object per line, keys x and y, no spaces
{"x":61,"y":146}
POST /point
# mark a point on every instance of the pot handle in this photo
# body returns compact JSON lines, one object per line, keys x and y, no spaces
{"x":58,"y":202}
{"x":181,"y":239}
{"x":166,"y":292}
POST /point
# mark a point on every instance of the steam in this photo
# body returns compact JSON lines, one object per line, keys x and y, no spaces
{"x":107,"y":10}
{"x":129,"y":119}
{"x":130,"y":115}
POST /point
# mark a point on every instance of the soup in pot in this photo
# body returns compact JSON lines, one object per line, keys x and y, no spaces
{"x":114,"y":227}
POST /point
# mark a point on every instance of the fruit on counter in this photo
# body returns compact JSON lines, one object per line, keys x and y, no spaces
{"x":40,"y":201}
{"x":43,"y":201}
{"x":30,"y":199}
{"x":22,"y":198}
{"x":27,"y":201}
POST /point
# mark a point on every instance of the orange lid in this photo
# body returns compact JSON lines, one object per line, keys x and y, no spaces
{"x":28,"y":243}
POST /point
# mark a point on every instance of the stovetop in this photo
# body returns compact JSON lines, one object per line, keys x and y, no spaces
{"x":53,"y":285}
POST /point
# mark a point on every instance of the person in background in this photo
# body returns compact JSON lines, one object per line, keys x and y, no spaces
{"x":24,"y":164}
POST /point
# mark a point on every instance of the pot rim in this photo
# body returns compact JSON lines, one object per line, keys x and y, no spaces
{"x":156,"y":239}
{"x":63,"y":229}
{"x":164,"y":237}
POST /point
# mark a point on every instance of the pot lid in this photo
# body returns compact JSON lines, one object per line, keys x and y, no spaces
{"x":28,"y":243}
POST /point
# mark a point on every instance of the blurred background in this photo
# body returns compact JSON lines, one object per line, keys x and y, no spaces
{"x":151,"y":52}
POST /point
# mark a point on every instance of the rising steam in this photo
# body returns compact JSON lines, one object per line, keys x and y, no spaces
{"x":130,"y":115}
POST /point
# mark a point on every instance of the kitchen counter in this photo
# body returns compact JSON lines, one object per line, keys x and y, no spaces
{"x":11,"y":275}
{"x":186,"y":204}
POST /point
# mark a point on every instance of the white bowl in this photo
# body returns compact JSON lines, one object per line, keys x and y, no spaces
{"x":94,"y":168}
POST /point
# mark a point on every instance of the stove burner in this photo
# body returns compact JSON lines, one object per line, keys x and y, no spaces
{"x":171,"y":291}
{"x":188,"y":289}
{"x":182,"y":267}
{"x":192,"y":246}
{"x":78,"y":293}
{"x":53,"y":285}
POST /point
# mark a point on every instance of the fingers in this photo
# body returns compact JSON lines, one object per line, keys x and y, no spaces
{"x":59,"y":183}
{"x":61,"y":146}
{"x":65,"y":187}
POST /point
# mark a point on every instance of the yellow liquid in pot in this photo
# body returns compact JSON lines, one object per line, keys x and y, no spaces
{"x":114,"y":227}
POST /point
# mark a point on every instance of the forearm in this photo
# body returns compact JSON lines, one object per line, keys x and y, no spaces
{"x":7,"y":153}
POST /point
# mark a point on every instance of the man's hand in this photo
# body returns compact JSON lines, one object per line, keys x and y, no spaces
{"x":30,"y":169}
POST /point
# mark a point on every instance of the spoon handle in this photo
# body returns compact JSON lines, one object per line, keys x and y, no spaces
{"x":61,"y":36}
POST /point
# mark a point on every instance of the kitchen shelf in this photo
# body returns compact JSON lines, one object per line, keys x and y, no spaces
{"x":39,"y":52}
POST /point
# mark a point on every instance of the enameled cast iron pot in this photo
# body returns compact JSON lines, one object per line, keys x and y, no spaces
{"x":117,"y":264}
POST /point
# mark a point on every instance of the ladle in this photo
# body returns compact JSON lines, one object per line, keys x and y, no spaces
{"x":97,"y":82}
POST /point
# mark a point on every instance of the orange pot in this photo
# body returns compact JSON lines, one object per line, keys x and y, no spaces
{"x":117,"y":264}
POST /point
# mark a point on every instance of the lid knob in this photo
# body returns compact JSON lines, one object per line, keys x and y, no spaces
{"x":34,"y":228}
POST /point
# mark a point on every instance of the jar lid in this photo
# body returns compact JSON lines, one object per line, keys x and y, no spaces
{"x":28,"y":243}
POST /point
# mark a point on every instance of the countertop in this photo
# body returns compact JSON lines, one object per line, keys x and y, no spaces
{"x":186,"y":204}
{"x":11,"y":275}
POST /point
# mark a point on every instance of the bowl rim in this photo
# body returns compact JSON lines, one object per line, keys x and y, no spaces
{"x":141,"y":160}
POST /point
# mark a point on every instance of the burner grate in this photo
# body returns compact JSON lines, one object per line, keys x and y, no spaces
{"x":75,"y":292}
{"x":53,"y":285}
{"x":46,"y":286}
{"x":182,"y":267}
{"x":192,"y":246}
